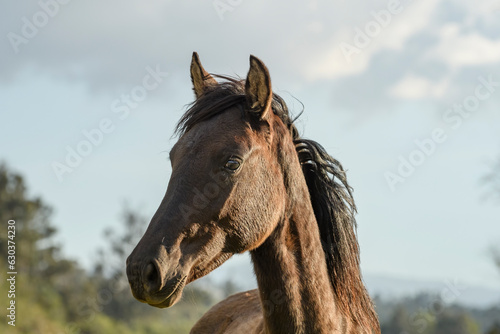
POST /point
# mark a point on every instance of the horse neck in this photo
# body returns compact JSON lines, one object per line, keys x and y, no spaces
{"x":295,"y":290}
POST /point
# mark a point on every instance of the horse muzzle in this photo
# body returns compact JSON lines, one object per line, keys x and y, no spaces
{"x":152,"y":285}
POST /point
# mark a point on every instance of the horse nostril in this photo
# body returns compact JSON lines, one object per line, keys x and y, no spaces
{"x":150,"y":273}
{"x":151,"y":278}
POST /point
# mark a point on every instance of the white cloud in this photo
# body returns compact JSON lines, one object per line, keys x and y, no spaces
{"x":414,"y":87}
{"x":416,"y":17}
{"x":298,"y":41}
{"x":331,"y":62}
{"x":465,"y":49}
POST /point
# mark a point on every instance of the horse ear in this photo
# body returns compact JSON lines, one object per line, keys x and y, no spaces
{"x":259,"y":94}
{"x":201,"y":79}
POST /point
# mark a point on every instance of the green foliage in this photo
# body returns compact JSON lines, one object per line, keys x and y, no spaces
{"x":55,"y":295}
{"x":456,"y":323}
{"x":421,"y":315}
{"x":398,"y":323}
{"x":404,"y":322}
{"x":37,"y":255}
{"x":495,"y":329}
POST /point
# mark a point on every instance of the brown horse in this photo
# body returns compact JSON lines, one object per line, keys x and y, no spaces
{"x":243,"y":180}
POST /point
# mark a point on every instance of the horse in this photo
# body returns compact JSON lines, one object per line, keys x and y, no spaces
{"x":244,"y":180}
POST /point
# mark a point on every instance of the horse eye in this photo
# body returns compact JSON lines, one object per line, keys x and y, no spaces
{"x":232,"y":165}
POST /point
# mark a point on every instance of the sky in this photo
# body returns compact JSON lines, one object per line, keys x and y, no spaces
{"x":405,"y":94}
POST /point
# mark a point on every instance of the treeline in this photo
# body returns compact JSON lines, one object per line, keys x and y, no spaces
{"x":430,"y":314}
{"x":55,"y":295}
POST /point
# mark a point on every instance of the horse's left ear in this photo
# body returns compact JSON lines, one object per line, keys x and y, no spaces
{"x":259,"y":94}
{"x":201,"y":79}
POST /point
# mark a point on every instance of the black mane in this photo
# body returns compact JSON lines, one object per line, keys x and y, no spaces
{"x":330,"y":193}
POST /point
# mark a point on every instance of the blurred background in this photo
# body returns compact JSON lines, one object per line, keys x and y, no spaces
{"x":405,"y":94}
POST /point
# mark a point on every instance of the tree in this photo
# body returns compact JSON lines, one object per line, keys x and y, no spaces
{"x":109,"y":269}
{"x":452,"y":323}
{"x":37,"y":256}
{"x":49,"y":287}
{"x":398,"y":323}
{"x":495,"y":329}
{"x":55,"y":295}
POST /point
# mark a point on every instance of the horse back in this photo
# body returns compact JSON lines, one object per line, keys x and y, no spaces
{"x":239,"y":313}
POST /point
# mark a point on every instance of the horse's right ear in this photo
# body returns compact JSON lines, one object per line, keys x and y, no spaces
{"x":259,"y":94}
{"x":200,"y":78}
